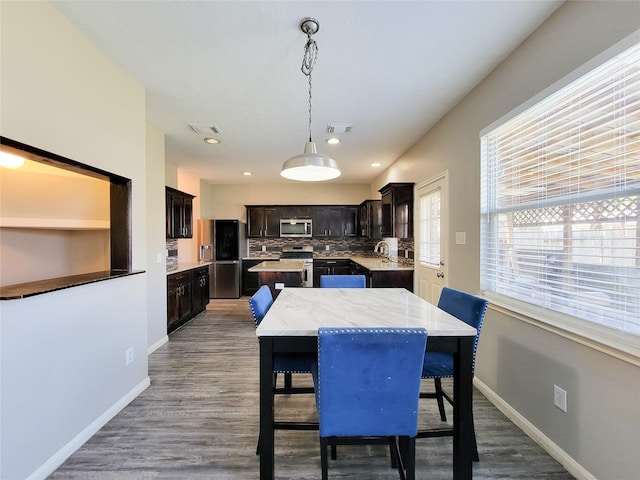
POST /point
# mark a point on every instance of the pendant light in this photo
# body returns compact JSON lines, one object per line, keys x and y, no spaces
{"x":310,"y":166}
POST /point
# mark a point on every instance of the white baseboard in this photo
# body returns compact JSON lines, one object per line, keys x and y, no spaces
{"x":58,"y":458}
{"x":573,"y":467}
{"x":157,"y":345}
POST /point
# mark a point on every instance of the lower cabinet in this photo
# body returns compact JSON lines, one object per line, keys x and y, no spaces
{"x":250,"y":282}
{"x":392,"y":279}
{"x":187,"y":296}
{"x":374,"y":278}
{"x":339,"y":266}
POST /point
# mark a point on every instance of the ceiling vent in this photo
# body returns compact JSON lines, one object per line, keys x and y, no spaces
{"x":339,"y":128}
{"x":201,"y":128}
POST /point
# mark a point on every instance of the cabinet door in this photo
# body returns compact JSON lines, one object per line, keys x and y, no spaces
{"x":186,"y":299}
{"x":272,"y":222}
{"x":250,"y":281}
{"x":335,"y":217}
{"x":173,"y":305}
{"x":169,"y":215}
{"x":350,"y":221}
{"x":386,"y":228}
{"x":187,"y":218}
{"x":320,"y":224}
{"x":255,"y":221}
{"x":200,"y":287}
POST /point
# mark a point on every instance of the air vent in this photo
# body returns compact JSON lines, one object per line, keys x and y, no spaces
{"x":339,"y":128}
{"x":201,"y":128}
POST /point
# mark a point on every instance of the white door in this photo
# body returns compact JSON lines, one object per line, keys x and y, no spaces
{"x":431,"y":237}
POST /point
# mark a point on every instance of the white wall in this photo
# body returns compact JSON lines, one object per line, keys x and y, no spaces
{"x":520,"y":362}
{"x":228,"y":201}
{"x":62,"y":354}
{"x":156,"y":240}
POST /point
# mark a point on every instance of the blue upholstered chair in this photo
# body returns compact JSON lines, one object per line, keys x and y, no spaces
{"x":343,"y":281}
{"x":367,"y":389}
{"x":260,"y":303}
{"x":287,"y":364}
{"x":437,"y":365}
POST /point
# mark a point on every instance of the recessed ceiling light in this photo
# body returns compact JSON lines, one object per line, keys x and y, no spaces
{"x":212,"y":141}
{"x":375,"y":164}
{"x":10,"y":160}
{"x":332,"y":141}
{"x":247,"y":174}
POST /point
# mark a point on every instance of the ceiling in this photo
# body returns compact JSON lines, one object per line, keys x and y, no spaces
{"x":390,"y":69}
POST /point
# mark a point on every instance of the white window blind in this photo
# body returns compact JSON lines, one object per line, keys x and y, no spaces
{"x":430,"y":206}
{"x":560,"y":188}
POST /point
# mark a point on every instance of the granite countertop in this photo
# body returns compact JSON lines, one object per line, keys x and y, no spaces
{"x":29,"y":289}
{"x":182,"y":267}
{"x":380,"y":264}
{"x":278,"y":266}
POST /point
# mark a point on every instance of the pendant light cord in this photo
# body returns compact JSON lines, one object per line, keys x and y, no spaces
{"x":308,"y":61}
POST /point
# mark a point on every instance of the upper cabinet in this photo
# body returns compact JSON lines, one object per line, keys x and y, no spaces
{"x":329,"y":221}
{"x":179,"y":213}
{"x":263,"y":222}
{"x":397,"y":210}
{"x":335,"y":221}
{"x":371,"y":219}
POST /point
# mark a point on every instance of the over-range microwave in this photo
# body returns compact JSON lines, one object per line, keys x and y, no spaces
{"x":296,"y":227}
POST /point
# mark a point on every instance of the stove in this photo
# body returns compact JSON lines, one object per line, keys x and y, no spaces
{"x":299,"y":253}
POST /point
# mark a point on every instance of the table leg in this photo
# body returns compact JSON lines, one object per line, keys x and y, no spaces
{"x":463,"y":410}
{"x":266,"y":409}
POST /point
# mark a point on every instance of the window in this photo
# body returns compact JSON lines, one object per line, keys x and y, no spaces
{"x":429,"y":237}
{"x":560,"y":190}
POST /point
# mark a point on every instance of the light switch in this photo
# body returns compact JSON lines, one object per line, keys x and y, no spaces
{"x":461,"y":238}
{"x":279,"y":286}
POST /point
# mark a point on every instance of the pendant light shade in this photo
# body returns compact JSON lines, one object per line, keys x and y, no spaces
{"x":310,"y":166}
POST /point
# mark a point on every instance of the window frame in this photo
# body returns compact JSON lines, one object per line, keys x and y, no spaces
{"x":622,"y":345}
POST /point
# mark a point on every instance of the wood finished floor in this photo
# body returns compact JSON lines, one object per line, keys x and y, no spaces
{"x":199,"y":420}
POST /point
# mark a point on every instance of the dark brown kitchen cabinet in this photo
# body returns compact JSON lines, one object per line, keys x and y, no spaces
{"x":295,"y":211}
{"x":187,"y":296}
{"x":250,"y":281}
{"x":351,"y":223}
{"x":179,"y":299}
{"x":328,"y":222}
{"x":371,"y":219}
{"x":338,"y":266}
{"x":200,"y":289}
{"x":263,"y":222}
{"x":397,"y":210}
{"x":179,"y":213}
{"x":392,"y":279}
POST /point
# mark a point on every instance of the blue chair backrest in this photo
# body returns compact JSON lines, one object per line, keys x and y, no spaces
{"x":369,"y":380}
{"x":260,"y":303}
{"x":343,"y":281}
{"x":466,"y":307}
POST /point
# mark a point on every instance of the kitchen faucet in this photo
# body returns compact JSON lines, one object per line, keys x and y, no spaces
{"x":385,"y":249}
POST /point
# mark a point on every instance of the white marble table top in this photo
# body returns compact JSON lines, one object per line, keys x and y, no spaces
{"x":301,"y":311}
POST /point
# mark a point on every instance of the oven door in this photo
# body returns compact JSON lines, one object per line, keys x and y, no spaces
{"x":307,"y":275}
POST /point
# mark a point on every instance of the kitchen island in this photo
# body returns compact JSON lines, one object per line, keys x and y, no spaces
{"x":277,"y":274}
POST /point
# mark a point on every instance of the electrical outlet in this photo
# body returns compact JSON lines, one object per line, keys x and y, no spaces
{"x":264,"y":248}
{"x":326,"y":247}
{"x":560,"y":398}
{"x":129,"y":355}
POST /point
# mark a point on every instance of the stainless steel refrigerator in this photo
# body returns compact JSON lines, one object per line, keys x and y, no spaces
{"x":224,"y":243}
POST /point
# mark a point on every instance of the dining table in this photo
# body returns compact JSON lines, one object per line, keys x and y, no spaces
{"x":291,"y":326}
